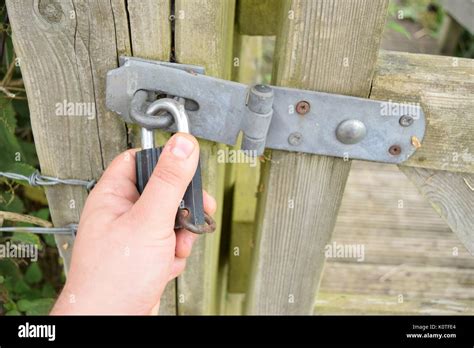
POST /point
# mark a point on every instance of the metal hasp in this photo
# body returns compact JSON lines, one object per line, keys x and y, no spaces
{"x":270,"y":117}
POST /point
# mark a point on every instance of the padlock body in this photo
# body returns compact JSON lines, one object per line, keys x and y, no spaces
{"x":193,"y":200}
{"x":146,"y":161}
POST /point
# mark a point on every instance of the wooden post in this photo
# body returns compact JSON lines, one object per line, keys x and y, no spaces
{"x":65,"y":50}
{"x":203,"y":36}
{"x":325,"y":46}
{"x":150,"y":31}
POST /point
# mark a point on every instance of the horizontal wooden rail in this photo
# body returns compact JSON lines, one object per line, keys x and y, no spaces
{"x":444,"y":87}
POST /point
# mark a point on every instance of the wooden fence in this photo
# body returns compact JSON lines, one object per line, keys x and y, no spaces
{"x":267,"y":255}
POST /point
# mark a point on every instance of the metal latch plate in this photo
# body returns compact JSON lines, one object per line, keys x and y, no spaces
{"x":222,"y":106}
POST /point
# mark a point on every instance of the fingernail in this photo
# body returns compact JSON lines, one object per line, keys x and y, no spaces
{"x":182,"y":147}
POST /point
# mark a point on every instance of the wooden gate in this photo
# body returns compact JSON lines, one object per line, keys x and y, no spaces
{"x":267,"y":255}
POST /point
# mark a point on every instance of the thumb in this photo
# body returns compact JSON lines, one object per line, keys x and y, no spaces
{"x":157,"y":206}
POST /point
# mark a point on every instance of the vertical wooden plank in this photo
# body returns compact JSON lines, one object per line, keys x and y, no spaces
{"x":243,"y":226}
{"x":150,"y":31}
{"x":203,"y":36}
{"x":249,"y":52}
{"x":449,"y":36}
{"x":65,"y":50}
{"x":150,"y":28}
{"x":327,"y":46}
{"x":451,"y":195}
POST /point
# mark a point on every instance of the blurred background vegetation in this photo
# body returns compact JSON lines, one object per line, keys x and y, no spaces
{"x":31,"y":287}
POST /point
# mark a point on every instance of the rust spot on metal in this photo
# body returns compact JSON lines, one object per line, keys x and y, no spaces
{"x":395,"y":150}
{"x":415,"y":142}
{"x":303,"y":107}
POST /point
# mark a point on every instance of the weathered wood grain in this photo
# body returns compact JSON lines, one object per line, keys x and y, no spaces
{"x":444,"y":87}
{"x":451,"y":195}
{"x":333,"y":303}
{"x":322,"y":45}
{"x":65,"y":50}
{"x":150,"y":31}
{"x":404,"y":239}
{"x":411,"y":281}
{"x":384,"y":212}
{"x":150,"y":28}
{"x":243,"y":226}
{"x":203,"y":36}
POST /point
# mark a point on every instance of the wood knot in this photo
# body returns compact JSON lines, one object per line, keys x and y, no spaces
{"x":51,"y":10}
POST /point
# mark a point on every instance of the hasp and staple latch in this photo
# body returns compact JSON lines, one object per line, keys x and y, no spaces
{"x":268,"y":116}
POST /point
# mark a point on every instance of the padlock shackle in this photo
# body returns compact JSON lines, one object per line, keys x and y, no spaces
{"x":175,"y":109}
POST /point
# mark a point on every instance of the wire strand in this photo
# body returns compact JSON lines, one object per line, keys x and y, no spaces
{"x":36,"y":179}
{"x":69,"y":229}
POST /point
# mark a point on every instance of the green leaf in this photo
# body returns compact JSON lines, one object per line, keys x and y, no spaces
{"x":41,"y":213}
{"x":12,"y":312}
{"x":35,"y":194}
{"x":48,"y":291}
{"x":33,"y":274}
{"x":2,"y":279}
{"x":49,"y":240}
{"x":21,"y":107}
{"x":11,"y":203}
{"x":10,"y":269}
{"x":40,"y":306}
{"x":27,"y":238}
{"x":10,"y":306}
{"x":21,"y":288}
{"x":10,"y":145}
{"x":7,"y":115}
{"x":28,"y":152}
{"x":399,"y":28}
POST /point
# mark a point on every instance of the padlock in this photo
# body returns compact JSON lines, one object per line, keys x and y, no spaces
{"x":190,"y":213}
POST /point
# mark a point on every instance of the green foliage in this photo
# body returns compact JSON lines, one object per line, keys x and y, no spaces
{"x":395,"y":26}
{"x":428,"y":13}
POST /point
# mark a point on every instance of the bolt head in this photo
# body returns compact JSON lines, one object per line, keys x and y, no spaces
{"x":303,"y":107}
{"x":405,"y":121}
{"x":263,"y":88}
{"x":295,"y":138}
{"x":351,"y":131}
{"x":395,"y":150}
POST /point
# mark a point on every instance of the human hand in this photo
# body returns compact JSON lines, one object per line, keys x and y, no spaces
{"x":126,"y":249}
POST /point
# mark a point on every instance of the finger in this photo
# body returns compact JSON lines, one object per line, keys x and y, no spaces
{"x":160,"y":199}
{"x":184,"y":243}
{"x":115,"y":191}
{"x":210,"y":204}
{"x":186,"y":239}
{"x":177,"y":268}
